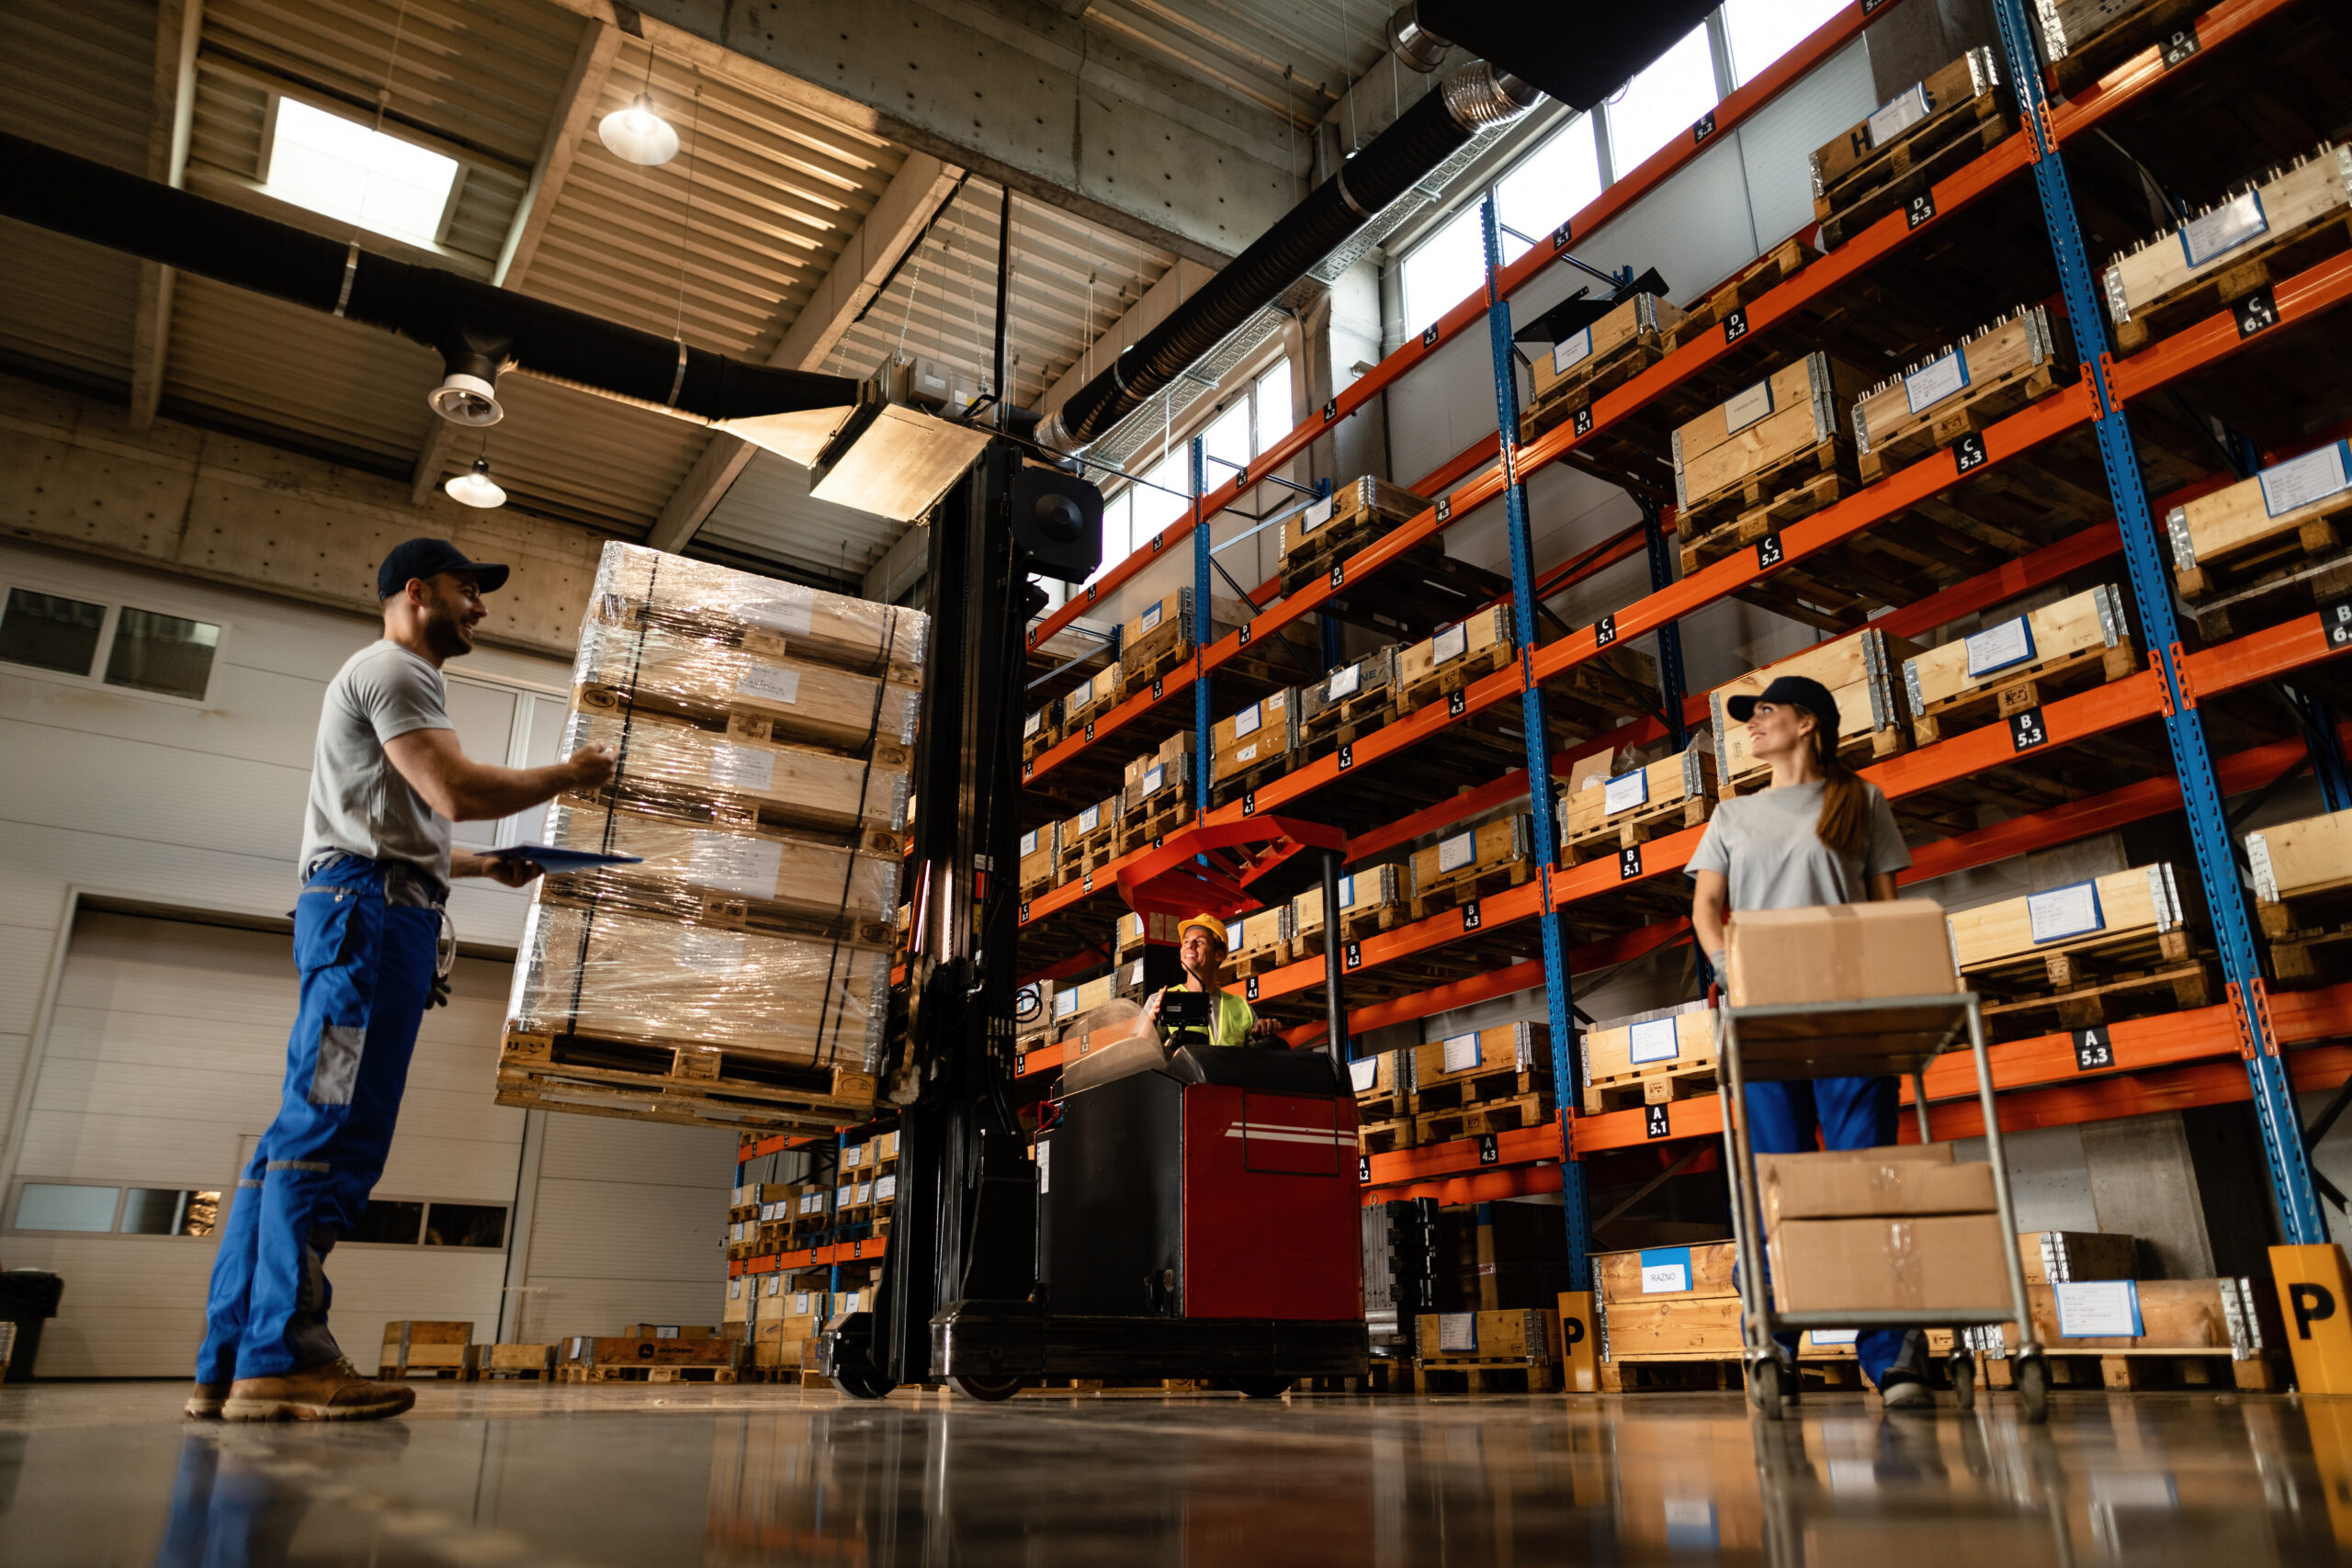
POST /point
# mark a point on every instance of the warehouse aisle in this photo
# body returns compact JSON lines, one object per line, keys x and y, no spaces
{"x":103,"y":1474}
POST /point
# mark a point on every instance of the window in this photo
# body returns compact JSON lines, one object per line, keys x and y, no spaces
{"x":146,"y":651}
{"x":393,"y":1222}
{"x":341,"y":168}
{"x":51,"y":632}
{"x":169,"y":1211}
{"x":410,"y":1222}
{"x":1548,"y":186}
{"x":1276,"y":398}
{"x":1228,"y":443}
{"x":1762,"y":30}
{"x":155,"y":653}
{"x":507,"y":724}
{"x":1444,"y":269}
{"x":1662,"y":103}
{"x":56,"y":1206}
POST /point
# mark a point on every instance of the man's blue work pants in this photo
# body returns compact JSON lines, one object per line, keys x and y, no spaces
{"x":367,"y":970}
{"x":1848,"y":1113}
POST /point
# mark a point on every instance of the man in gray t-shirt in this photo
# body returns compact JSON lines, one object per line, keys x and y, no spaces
{"x":388,"y":780}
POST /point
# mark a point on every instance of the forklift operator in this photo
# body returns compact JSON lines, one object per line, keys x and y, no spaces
{"x":1200,"y":946}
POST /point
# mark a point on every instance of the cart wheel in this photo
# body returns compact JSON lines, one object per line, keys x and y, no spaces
{"x":1764,"y":1386}
{"x":1963,"y":1367}
{"x":863,"y":1382}
{"x":1262,"y":1387}
{"x":2033,"y":1377}
{"x":987,"y":1390}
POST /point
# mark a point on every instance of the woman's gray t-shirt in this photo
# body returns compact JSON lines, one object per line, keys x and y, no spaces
{"x":1765,"y":845}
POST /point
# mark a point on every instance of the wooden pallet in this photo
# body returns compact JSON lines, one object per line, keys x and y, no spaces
{"x":1355,"y":925}
{"x":1090,"y":854}
{"x":2318,"y":537}
{"x":669,"y":1081}
{"x":1455,"y":675}
{"x":1041,"y":884}
{"x":1349,"y":718}
{"x":1259,"y":962}
{"x":1033,"y":746}
{"x":1754,"y":281}
{"x":1979,"y":406}
{"x":1483,"y":1117}
{"x":1384,"y":1137}
{"x":1662,"y":1083}
{"x":1463,"y":1374}
{"x":603,"y":1372}
{"x":2277,"y":259}
{"x":1887,"y":180}
{"x":1796,"y":485}
{"x":2083,"y":988}
{"x":1635,"y":827}
{"x":1257,"y":776}
{"x":2095,"y":56}
{"x":1572,"y":394}
{"x":2295,"y":587}
{"x":2145,"y":1370}
{"x":2027,"y":686}
{"x":1469,"y":883}
{"x":1467,"y":1090}
{"x":615,"y":889}
{"x":1142,"y":829}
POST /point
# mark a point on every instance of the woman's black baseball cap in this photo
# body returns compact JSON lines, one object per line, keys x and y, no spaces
{"x":1795,"y":691}
{"x":429,"y":558}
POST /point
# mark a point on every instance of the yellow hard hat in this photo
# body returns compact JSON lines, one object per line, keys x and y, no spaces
{"x":1209,"y":923}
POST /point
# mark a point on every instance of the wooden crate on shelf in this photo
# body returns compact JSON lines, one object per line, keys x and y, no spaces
{"x":1984,"y":378}
{"x":1447,"y":663}
{"x":1473,"y":864}
{"x":420,"y":1349}
{"x":2302,"y":896}
{"x":1651,"y":1058}
{"x":1663,"y":796}
{"x":2278,"y":226}
{"x":2268,"y":548}
{"x":1858,"y":671}
{"x":1779,"y":451}
{"x":1751,"y":283}
{"x":1158,"y":804}
{"x":2085,"y":954}
{"x":1085,"y":706}
{"x":2024,"y":661}
{"x":1347,"y":705}
{"x":1042,"y":730}
{"x":2060,"y":1256}
{"x":1253,"y":747}
{"x":1358,"y":514}
{"x":1137,"y":930}
{"x":2084,"y":40}
{"x":1090,"y":840}
{"x":1909,"y":144}
{"x":1595,"y":359}
{"x":1515,"y":1351}
{"x":1380,"y":1082}
{"x":1158,"y":640}
{"x":1256,"y":943}
{"x":1370,"y":900}
{"x":1041,"y":854}
{"x":1500,"y":1063}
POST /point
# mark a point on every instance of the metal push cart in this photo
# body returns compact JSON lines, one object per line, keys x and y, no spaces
{"x":1808,"y":1040}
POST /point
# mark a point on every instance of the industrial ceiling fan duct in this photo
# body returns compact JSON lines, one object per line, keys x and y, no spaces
{"x":1418,"y":48}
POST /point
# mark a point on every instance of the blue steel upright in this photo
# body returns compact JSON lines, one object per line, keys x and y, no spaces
{"x":1204,"y":629}
{"x":1558,"y":998}
{"x":2274,"y":1100}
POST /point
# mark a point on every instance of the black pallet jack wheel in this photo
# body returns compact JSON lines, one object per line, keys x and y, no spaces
{"x":1262,"y":1387}
{"x":987,"y":1390}
{"x":861,"y":1383}
{"x":1764,"y":1387}
{"x":1963,"y":1367}
{"x":2033,"y":1377}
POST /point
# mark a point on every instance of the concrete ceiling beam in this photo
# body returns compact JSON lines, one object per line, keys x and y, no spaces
{"x":179,"y":24}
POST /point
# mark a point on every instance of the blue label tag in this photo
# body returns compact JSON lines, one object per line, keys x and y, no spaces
{"x":1665,"y":1269}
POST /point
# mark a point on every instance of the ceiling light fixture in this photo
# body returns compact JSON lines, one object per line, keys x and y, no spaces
{"x":466,"y":399}
{"x":475,"y":488}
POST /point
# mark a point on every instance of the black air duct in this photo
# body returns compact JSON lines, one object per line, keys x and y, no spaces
{"x":1388,"y":166}
{"x":1578,"y":54}
{"x":452,"y":314}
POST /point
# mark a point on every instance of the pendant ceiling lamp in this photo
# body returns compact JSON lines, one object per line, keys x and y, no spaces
{"x":475,"y":486}
{"x":637,"y":134}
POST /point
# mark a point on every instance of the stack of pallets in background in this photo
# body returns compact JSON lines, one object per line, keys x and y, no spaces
{"x":1488,"y":1081}
{"x":2302,"y":896}
{"x":1253,"y":747}
{"x":1041,"y":731}
{"x":1907,"y":145}
{"x":739,"y":974}
{"x":1089,"y":841}
{"x":2085,"y":954}
{"x":2269,"y":547}
{"x":650,"y":1352}
{"x":419,"y":1350}
{"x":1156,"y":792}
{"x":1406,"y":594}
{"x":1752,"y":282}
{"x":1158,"y":639}
{"x":1348,"y":703}
{"x":868,"y":1192}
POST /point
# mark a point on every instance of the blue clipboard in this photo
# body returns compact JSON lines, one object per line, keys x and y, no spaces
{"x":559,"y":862}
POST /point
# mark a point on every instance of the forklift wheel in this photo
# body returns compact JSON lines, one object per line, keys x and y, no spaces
{"x":860,"y":1383}
{"x":1262,"y":1387}
{"x":988,"y":1391}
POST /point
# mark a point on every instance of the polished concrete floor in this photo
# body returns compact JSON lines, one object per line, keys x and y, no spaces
{"x":107,"y":1473}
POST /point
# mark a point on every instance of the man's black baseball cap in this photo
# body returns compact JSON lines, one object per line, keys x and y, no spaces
{"x":1794,"y":691}
{"x":428,"y":558}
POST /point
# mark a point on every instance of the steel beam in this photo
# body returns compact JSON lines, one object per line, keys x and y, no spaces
{"x":179,"y":25}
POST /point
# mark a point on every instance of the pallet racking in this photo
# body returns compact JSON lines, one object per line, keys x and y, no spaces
{"x":2057,"y":487}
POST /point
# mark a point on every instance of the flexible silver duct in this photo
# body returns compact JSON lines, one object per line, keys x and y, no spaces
{"x":1418,"y":48}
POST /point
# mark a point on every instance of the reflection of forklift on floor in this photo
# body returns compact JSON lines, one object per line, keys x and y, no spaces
{"x":1193,"y":1211}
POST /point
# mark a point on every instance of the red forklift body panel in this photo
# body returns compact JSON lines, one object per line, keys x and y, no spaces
{"x":1273,"y":1220}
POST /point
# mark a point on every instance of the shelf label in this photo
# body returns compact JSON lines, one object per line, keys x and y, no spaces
{"x":1922,"y":208}
{"x":2093,"y":1050}
{"x":1702,"y":128}
{"x":1925,"y":388}
{"x":741,"y":767}
{"x":1364,"y":1074}
{"x":770,"y":686}
{"x":2064,"y":912}
{"x":2335,"y":620}
{"x":1604,"y":631}
{"x":1746,"y":408}
{"x":1353,"y":957}
{"x":2027,"y":730}
{"x":1997,"y":648}
{"x":2223,"y":230}
{"x":2314,"y":476}
{"x":2181,"y":45}
{"x":1347,"y":755}
{"x":1449,"y":644}
{"x":1769,"y":553}
{"x":2099,"y":1309}
{"x":1583,"y":424}
{"x":1735,"y":324}
{"x":1344,"y":684}
{"x":1490,"y":1152}
{"x":1459,"y":1054}
{"x":1572,"y":352}
{"x":1458,"y":1331}
{"x":1315,"y":516}
{"x":1459,"y":851}
{"x":1625,"y":792}
{"x":1654,"y":1041}
{"x":1654,"y":1121}
{"x":1629,"y":863}
{"x":1892,"y":120}
{"x":1665,"y":1269}
{"x":1470,"y":916}
{"x":2258,"y":312}
{"x":1969,"y":452}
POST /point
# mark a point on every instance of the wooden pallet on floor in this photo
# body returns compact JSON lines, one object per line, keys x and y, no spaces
{"x":2114,"y":1370}
{"x":2027,"y":686}
{"x":647,"y":1374}
{"x":1455,"y":1374}
{"x":1793,"y":487}
{"x":1484,"y":1117}
{"x":1759,"y":278}
{"x":1932,"y":150}
{"x":521,"y":1364}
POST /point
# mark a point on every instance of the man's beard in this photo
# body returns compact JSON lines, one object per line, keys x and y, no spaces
{"x":444,"y":636}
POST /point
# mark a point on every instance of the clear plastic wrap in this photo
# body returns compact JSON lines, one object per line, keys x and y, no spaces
{"x":679,"y":770}
{"x":611,"y":974}
{"x":636,"y":585}
{"x":781,"y":884}
{"x":743,"y":681}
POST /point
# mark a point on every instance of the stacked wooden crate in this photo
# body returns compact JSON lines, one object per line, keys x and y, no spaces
{"x":1649,"y":1058}
{"x":1858,"y":670}
{"x":1156,"y":792}
{"x":738,"y":972}
{"x":1384,"y":1105}
{"x":1516,"y":1351}
{"x":1583,"y":364}
{"x":1908,"y":143}
{"x":1675,"y":792}
{"x":1360,"y":514}
{"x":1348,"y":703}
{"x":2085,"y":954}
{"x":868,"y":1191}
{"x":1251,"y":747}
{"x":1464,"y":867}
{"x":2269,"y":547}
{"x":1481,"y":1082}
{"x":2302,"y":896}
{"x":1158,"y":639}
{"x":1985,"y":377}
{"x":1370,"y":899}
{"x":2019,"y":663}
{"x":1777,"y":452}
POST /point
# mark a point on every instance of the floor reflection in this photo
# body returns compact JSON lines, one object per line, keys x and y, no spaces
{"x":96,"y":1475}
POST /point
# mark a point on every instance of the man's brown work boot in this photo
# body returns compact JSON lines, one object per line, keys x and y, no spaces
{"x":204,"y":1399}
{"x":330,"y":1390}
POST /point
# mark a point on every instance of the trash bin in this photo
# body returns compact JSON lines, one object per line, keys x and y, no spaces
{"x":28,"y":1298}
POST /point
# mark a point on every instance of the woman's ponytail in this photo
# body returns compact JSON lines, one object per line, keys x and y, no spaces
{"x":1844,"y":826}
